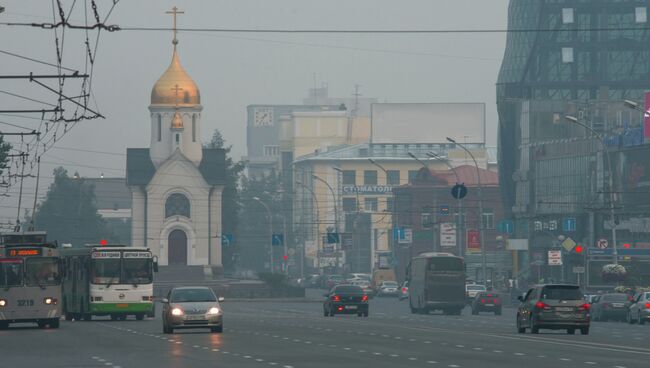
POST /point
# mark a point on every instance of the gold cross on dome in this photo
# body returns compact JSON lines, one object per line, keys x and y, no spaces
{"x":174,"y":12}
{"x":176,"y":89}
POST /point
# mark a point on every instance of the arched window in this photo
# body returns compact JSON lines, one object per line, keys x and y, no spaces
{"x":159,"y":128}
{"x":177,"y":205}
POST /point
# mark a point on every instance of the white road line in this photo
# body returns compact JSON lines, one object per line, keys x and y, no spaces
{"x":591,"y":363}
{"x":432,"y":362}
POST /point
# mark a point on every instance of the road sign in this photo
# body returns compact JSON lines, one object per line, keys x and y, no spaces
{"x":277,"y":239}
{"x":459,"y":191}
{"x":555,"y":258}
{"x":333,"y":238}
{"x":578,"y":269}
{"x":568,"y":244}
{"x":227,"y":240}
{"x":506,"y":227}
{"x":602,"y":243}
{"x":569,"y":224}
{"x":404,"y":235}
{"x":444,"y":210}
{"x":447,"y":235}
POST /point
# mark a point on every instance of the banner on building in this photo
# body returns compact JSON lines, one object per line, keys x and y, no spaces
{"x":473,"y":240}
{"x":447,"y":235}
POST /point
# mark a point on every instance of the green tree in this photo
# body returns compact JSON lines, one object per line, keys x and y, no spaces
{"x":4,"y":152}
{"x":69,"y":213}
{"x":230,"y":198}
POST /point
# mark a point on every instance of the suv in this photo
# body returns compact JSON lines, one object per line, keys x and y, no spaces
{"x":554,"y":307}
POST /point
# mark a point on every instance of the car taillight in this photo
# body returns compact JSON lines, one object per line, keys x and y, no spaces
{"x":336,"y":298}
{"x":542,"y":305}
{"x":584,"y":307}
{"x":482,"y":301}
{"x":497,"y":301}
{"x":364,"y":298}
{"x":647,"y":305}
{"x":404,"y":289}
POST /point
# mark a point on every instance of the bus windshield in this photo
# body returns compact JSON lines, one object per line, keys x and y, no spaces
{"x":42,"y":271}
{"x":444,"y":264}
{"x":137,"y":271}
{"x":106,"y":271}
{"x":11,"y":272}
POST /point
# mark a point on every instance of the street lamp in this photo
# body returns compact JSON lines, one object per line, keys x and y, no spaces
{"x":317,"y":227}
{"x":417,"y":159}
{"x":480,"y":208}
{"x":336,"y":212}
{"x":633,"y":105}
{"x":612,"y":195}
{"x":459,"y":205}
{"x":268,"y":212}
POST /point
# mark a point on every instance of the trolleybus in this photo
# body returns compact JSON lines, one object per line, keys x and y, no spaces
{"x":30,"y":286}
{"x":108,"y":280}
{"x":436,"y":282}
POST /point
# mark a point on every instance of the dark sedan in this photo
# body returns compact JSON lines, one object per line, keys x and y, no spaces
{"x":553,"y":307}
{"x":610,"y":306}
{"x":487,"y":302}
{"x":346,"y":299}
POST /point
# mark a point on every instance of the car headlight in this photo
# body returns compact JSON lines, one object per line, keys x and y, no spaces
{"x":214,"y":310}
{"x":3,"y":302}
{"x":49,"y":301}
{"x":177,"y":312}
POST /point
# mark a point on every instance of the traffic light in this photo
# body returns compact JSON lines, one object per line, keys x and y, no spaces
{"x":627,"y":245}
{"x":578,"y":249}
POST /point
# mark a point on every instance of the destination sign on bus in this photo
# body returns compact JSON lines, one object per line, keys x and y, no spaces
{"x":97,"y":255}
{"x":24,"y":252}
{"x":137,"y":255}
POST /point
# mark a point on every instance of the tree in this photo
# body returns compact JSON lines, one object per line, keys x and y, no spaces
{"x":4,"y":152}
{"x":69,"y":213}
{"x":230,"y":197}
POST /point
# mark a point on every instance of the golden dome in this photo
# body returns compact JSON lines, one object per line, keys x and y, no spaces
{"x":177,"y":121}
{"x":175,"y":87}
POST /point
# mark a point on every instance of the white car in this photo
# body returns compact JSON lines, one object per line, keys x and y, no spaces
{"x":472,"y":289}
{"x":388,"y":288}
{"x":365,"y":286}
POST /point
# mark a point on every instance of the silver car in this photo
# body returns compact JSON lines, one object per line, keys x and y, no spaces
{"x":192,"y":307}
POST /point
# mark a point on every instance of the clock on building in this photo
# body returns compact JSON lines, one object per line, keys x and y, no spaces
{"x":263,"y":116}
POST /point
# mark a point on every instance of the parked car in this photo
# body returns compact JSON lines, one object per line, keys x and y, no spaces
{"x":388,"y":288}
{"x":359,"y":276}
{"x":333,"y":280}
{"x":606,"y":306}
{"x":471,"y":290}
{"x":555,"y":307}
{"x":346,"y":299}
{"x":365,"y":286}
{"x":639,"y":310}
{"x":487,"y":302}
{"x":404,"y":291}
{"x":192,"y":307}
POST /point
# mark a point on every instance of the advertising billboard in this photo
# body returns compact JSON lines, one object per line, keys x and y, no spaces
{"x":427,"y":122}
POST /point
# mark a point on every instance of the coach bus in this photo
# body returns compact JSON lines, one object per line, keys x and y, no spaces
{"x":108,"y":280}
{"x":436,"y":282}
{"x":30,"y":285}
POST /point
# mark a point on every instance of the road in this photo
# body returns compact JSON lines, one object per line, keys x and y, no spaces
{"x":295,"y":334}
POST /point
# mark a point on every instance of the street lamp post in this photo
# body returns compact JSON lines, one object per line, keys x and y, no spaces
{"x":480,"y":209}
{"x":459,"y":202}
{"x":435,"y":225}
{"x":268,"y":212}
{"x":317,"y":228}
{"x":336,"y":213}
{"x":391,"y":215}
{"x":612,"y":195}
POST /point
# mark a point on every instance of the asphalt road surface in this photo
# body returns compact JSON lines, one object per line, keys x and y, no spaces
{"x":295,"y":334}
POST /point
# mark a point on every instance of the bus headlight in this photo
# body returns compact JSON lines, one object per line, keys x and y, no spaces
{"x":177,"y":312}
{"x":49,"y":301}
{"x":214,"y":310}
{"x":3,"y":302}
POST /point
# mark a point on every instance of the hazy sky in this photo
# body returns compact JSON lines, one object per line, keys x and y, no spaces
{"x":234,"y":70}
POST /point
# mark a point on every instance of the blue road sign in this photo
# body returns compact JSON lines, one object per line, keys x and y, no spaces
{"x":506,"y":227}
{"x":227,"y":240}
{"x":620,"y":252}
{"x":444,"y":210}
{"x":569,"y":224}
{"x":277,"y":239}
{"x":459,"y":191}
{"x":333,"y":238}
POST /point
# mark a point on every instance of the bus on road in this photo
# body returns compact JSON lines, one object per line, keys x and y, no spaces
{"x":436,"y":282}
{"x":30,"y":283}
{"x":108,"y":280}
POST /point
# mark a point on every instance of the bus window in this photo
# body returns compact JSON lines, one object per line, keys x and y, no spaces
{"x":11,"y":272}
{"x":137,"y":271}
{"x":42,"y":271}
{"x":445,"y":264}
{"x":105,"y":271}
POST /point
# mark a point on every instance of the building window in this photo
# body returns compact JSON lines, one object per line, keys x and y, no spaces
{"x":178,"y":138}
{"x":392,"y":177}
{"x":390,"y":204}
{"x":426,"y":220}
{"x":370,"y":204}
{"x":413,"y":174}
{"x":641,"y":14}
{"x":487,"y":220}
{"x":567,"y":16}
{"x":370,"y":177}
{"x":194,"y":128}
{"x":272,"y":151}
{"x":349,"y":177}
{"x":349,"y":204}
{"x":177,"y":205}
{"x":159,"y":128}
{"x":567,"y":54}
